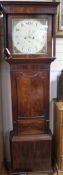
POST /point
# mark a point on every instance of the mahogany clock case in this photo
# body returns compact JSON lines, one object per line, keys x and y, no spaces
{"x":31,"y":139}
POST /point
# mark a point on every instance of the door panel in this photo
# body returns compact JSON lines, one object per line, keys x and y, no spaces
{"x":30,"y":95}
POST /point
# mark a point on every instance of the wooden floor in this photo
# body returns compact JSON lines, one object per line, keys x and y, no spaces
{"x":39,"y":174}
{"x":55,"y":173}
{"x":34,"y":173}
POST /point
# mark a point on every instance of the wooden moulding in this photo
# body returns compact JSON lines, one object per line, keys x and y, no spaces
{"x":32,"y":126}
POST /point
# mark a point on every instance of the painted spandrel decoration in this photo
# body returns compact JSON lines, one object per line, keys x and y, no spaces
{"x":29,"y":36}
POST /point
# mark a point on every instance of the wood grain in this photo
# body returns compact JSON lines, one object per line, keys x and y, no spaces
{"x":31,"y":139}
{"x":30,"y":97}
{"x":58,"y":134}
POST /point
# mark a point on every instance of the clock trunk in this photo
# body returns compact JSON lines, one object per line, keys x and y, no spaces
{"x":30,"y":97}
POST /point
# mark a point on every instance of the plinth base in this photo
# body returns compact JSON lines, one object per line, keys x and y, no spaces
{"x":31,"y":153}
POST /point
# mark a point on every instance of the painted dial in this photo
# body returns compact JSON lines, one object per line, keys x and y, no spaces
{"x":29,"y":36}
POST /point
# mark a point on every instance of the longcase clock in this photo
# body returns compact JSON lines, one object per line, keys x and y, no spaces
{"x":29,"y":28}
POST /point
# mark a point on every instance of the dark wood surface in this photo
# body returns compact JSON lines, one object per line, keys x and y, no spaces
{"x":32,"y":126}
{"x":31,"y":141}
{"x":19,"y":7}
{"x":34,"y":153}
{"x":30,"y":96}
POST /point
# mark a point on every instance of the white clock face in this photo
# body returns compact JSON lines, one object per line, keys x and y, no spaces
{"x":29,"y":36}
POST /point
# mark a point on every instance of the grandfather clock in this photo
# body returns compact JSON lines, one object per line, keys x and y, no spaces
{"x":29,"y":28}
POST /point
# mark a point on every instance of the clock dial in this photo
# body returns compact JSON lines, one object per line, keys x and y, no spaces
{"x":29,"y":36}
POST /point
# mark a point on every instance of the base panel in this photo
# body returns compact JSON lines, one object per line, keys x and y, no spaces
{"x":31,"y":153}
